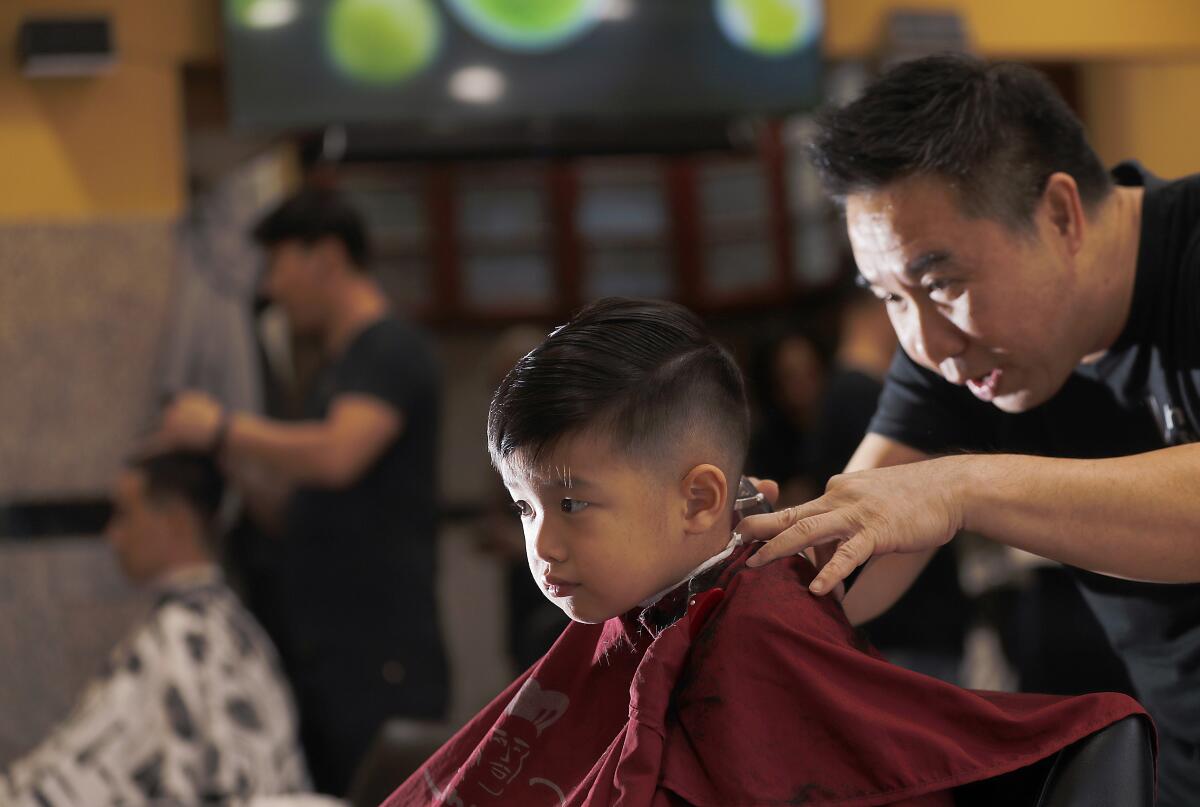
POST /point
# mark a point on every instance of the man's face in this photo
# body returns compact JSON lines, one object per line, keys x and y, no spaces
{"x":970,"y":298}
{"x":600,"y":534}
{"x":294,"y":280}
{"x":136,"y":528}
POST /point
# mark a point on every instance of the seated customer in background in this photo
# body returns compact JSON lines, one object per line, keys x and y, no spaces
{"x":686,"y":677}
{"x":191,"y":707}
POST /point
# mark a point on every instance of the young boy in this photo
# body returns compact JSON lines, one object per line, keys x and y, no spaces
{"x":688,"y":678}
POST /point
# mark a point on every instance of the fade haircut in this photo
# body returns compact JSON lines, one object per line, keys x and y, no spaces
{"x":644,"y":374}
{"x":995,"y":133}
{"x":186,"y":476}
{"x":312,"y":215}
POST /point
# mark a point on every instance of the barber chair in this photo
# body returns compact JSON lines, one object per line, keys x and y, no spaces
{"x":400,"y":747}
{"x":1113,"y":767}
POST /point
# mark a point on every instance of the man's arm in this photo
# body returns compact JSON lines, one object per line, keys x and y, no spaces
{"x":885,"y":578}
{"x":1135,"y":517}
{"x":330,"y":453}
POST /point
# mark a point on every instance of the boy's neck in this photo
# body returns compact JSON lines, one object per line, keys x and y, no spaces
{"x":721,"y":544}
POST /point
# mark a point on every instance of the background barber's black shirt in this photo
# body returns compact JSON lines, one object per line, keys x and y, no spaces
{"x":1143,"y":395}
{"x":359,"y":566}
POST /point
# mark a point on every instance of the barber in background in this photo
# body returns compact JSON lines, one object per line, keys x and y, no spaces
{"x":1049,"y":315}
{"x":350,"y":597}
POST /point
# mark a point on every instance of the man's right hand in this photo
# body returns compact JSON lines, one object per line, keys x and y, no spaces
{"x":874,"y":512}
{"x":191,"y":421}
{"x":879,"y":590}
{"x":817,"y":555}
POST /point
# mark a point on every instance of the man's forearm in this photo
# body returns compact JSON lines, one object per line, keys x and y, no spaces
{"x":1136,"y":517}
{"x":303,"y":453}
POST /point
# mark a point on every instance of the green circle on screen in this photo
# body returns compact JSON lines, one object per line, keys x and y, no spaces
{"x":769,"y":27}
{"x":382,"y":41}
{"x":527,"y":24}
{"x":239,"y":11}
{"x":261,"y":14}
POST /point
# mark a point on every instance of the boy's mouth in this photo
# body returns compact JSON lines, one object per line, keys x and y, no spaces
{"x":557,"y":587}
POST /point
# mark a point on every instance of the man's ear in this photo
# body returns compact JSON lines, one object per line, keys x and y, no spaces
{"x":1063,"y":209}
{"x":705,"y":492}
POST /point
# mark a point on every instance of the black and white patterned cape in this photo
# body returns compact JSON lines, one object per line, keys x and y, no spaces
{"x":191,"y":709}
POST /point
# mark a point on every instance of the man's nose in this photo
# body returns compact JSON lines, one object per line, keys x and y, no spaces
{"x":937,"y":341}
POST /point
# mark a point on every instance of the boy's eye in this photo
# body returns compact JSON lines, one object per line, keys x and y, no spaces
{"x":572,"y":505}
{"x":522,"y":508}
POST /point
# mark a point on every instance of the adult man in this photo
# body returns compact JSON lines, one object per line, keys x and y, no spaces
{"x":1045,"y":309}
{"x":191,"y":707}
{"x":351,"y":583}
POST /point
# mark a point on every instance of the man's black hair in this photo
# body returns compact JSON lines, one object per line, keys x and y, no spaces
{"x":188,"y":476}
{"x":994,"y":132}
{"x":314,"y":214}
{"x":644,"y":374}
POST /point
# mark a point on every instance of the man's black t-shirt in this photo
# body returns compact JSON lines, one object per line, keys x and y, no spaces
{"x":356,"y":567}
{"x":1143,"y":395}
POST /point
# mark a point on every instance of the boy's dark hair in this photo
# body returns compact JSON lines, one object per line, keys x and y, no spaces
{"x":995,"y":132}
{"x":311,"y":215}
{"x":642,"y":373}
{"x":185,"y":475}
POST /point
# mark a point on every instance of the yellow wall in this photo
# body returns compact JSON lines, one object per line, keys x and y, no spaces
{"x":1057,"y":30}
{"x":1140,"y":61}
{"x":112,"y":146}
{"x":1146,"y":110}
{"x":108,"y":146}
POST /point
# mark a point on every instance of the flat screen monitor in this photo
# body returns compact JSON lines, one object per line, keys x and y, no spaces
{"x":450,"y":64}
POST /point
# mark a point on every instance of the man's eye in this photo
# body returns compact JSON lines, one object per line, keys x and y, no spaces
{"x":880,"y":295}
{"x":522,"y":508}
{"x":572,"y":505}
{"x":945,"y":292}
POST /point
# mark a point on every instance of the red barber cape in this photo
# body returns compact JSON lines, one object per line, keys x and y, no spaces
{"x":759,"y":694}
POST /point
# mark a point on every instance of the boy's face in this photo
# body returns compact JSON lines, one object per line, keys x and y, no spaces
{"x":602,"y":534}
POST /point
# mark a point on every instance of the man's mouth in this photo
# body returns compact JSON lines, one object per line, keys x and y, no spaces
{"x":984,"y":387}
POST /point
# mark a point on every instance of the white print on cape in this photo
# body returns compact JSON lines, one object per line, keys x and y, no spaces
{"x":531,"y":711}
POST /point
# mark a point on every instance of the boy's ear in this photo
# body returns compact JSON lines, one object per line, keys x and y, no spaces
{"x":705,"y":493}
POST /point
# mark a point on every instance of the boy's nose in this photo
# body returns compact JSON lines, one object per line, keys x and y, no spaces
{"x":547,"y":545}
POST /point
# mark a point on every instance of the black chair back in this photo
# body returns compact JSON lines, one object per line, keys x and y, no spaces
{"x":1114,"y":766}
